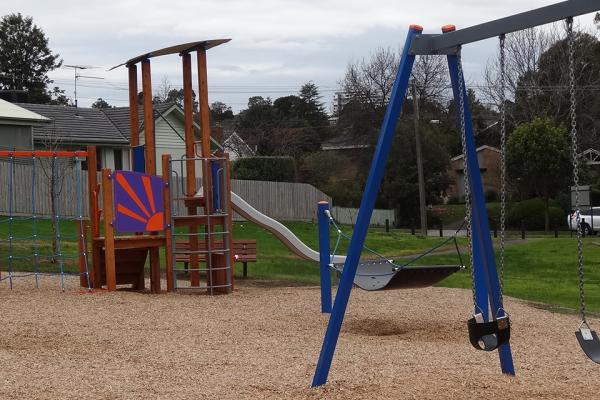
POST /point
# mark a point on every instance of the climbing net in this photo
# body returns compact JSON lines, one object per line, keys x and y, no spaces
{"x":379,"y":258}
{"x":42,"y":226}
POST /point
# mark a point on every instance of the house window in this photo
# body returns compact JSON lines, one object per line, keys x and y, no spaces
{"x":118,"y":155}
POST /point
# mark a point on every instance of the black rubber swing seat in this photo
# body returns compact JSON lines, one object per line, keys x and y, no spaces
{"x":382,"y":275}
{"x":488,"y":336}
{"x":591,"y":347}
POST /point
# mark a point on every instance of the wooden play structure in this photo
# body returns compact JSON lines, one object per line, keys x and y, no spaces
{"x":194,"y":221}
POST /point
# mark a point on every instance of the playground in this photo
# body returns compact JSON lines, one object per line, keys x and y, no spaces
{"x":83,"y":280}
{"x":262,"y":342}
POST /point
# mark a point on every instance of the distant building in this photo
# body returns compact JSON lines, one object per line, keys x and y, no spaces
{"x":71,"y":128}
{"x":489,"y":167}
{"x":16,"y":126}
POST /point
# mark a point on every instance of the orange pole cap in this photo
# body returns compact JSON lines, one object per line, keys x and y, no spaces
{"x":416,"y":27}
{"x":448,"y":28}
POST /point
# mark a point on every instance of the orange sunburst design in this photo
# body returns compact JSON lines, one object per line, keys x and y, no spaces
{"x":138,"y":205}
{"x":125,"y":185}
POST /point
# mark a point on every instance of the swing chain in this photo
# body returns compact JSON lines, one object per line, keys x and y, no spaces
{"x":502,"y":162}
{"x":468,"y":211}
{"x":573,"y":117}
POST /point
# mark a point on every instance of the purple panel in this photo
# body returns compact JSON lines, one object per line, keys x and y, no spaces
{"x":139,"y":203}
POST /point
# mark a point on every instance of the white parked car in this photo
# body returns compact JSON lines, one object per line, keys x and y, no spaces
{"x":590,"y":220}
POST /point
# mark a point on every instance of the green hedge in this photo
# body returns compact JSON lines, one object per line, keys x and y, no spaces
{"x":532,"y":213}
{"x":276,"y":169}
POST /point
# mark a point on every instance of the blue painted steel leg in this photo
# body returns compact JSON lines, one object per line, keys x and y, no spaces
{"x":382,"y":150}
{"x":215,"y":168}
{"x":324,"y":252}
{"x":486,"y":275}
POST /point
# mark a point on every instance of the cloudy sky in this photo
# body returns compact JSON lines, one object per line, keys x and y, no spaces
{"x":277,"y":45}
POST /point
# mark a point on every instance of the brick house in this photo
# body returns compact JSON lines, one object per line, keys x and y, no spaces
{"x":489,"y":166}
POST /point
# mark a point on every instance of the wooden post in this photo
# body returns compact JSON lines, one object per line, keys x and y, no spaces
{"x":82,"y":227}
{"x":93,"y":192}
{"x":154,"y":269}
{"x":168,"y":231}
{"x":188,"y":124}
{"x":150,"y":149}
{"x":205,"y":147}
{"x":203,"y":101}
{"x":109,"y":233}
{"x":134,"y":120}
{"x":204,"y":126}
{"x":229,"y":212}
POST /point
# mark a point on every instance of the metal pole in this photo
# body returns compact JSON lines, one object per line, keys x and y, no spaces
{"x":380,"y":157}
{"x":486,"y":277}
{"x":422,"y":209}
{"x":325,"y":258}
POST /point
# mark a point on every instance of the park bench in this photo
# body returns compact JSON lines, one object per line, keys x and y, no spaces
{"x":244,"y":251}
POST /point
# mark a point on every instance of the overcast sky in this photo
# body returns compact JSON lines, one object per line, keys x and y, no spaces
{"x":277,"y":45}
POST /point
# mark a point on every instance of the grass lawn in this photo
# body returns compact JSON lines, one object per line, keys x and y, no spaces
{"x":542,"y":269}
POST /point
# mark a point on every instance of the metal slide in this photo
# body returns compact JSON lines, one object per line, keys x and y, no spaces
{"x":278,"y":229}
{"x":372,"y":275}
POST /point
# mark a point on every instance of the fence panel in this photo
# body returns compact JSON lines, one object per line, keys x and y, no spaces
{"x":279,"y":200}
{"x":348,"y":216}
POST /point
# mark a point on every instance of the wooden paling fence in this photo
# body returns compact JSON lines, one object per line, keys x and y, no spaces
{"x":348,"y":216}
{"x":31,"y":192}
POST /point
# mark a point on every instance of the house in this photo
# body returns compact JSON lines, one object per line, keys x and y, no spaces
{"x":231,"y":142}
{"x":16,"y":126}
{"x":489,"y":166}
{"x":75,"y":128}
{"x":72,"y":128}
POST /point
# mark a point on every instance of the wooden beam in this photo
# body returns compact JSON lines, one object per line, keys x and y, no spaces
{"x":81,"y":229}
{"x":109,"y":233}
{"x":188,"y":124}
{"x":154,"y":270}
{"x":166,"y":158}
{"x":150,"y":149}
{"x":229,"y":212}
{"x":133,"y":106}
{"x":203,"y":101}
{"x":93,"y":190}
{"x":205,"y":131}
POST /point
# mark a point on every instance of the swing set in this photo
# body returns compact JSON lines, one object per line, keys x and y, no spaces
{"x":489,"y":325}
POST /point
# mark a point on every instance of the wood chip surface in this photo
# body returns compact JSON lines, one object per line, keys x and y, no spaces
{"x":263,"y":341}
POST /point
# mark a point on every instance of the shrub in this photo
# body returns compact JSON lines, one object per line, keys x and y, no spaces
{"x":532,"y":213}
{"x":276,"y":169}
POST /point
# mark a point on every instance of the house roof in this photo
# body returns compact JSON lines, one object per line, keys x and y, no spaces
{"x":14,"y":113}
{"x":76,"y":125}
{"x":109,"y":126}
{"x":119,"y":116}
{"x":480,"y":148}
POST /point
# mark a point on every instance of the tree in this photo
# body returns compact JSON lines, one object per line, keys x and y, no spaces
{"x":58,"y":97}
{"x":291,"y":125}
{"x":25,"y":58}
{"x":538,"y":160}
{"x":101,"y":103}
{"x":537,"y":79}
{"x":220,"y":111}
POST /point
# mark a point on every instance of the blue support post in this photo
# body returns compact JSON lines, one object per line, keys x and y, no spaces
{"x":325,"y":257}
{"x":382,"y":150}
{"x":216,"y":170}
{"x":138,"y":158}
{"x":486,"y":276}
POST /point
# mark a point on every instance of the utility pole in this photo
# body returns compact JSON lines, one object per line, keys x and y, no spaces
{"x":423,"y":211}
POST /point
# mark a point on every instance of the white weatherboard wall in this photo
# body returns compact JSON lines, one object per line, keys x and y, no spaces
{"x":166,"y":139}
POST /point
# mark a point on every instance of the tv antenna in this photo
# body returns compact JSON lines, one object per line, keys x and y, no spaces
{"x":77,"y":76}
